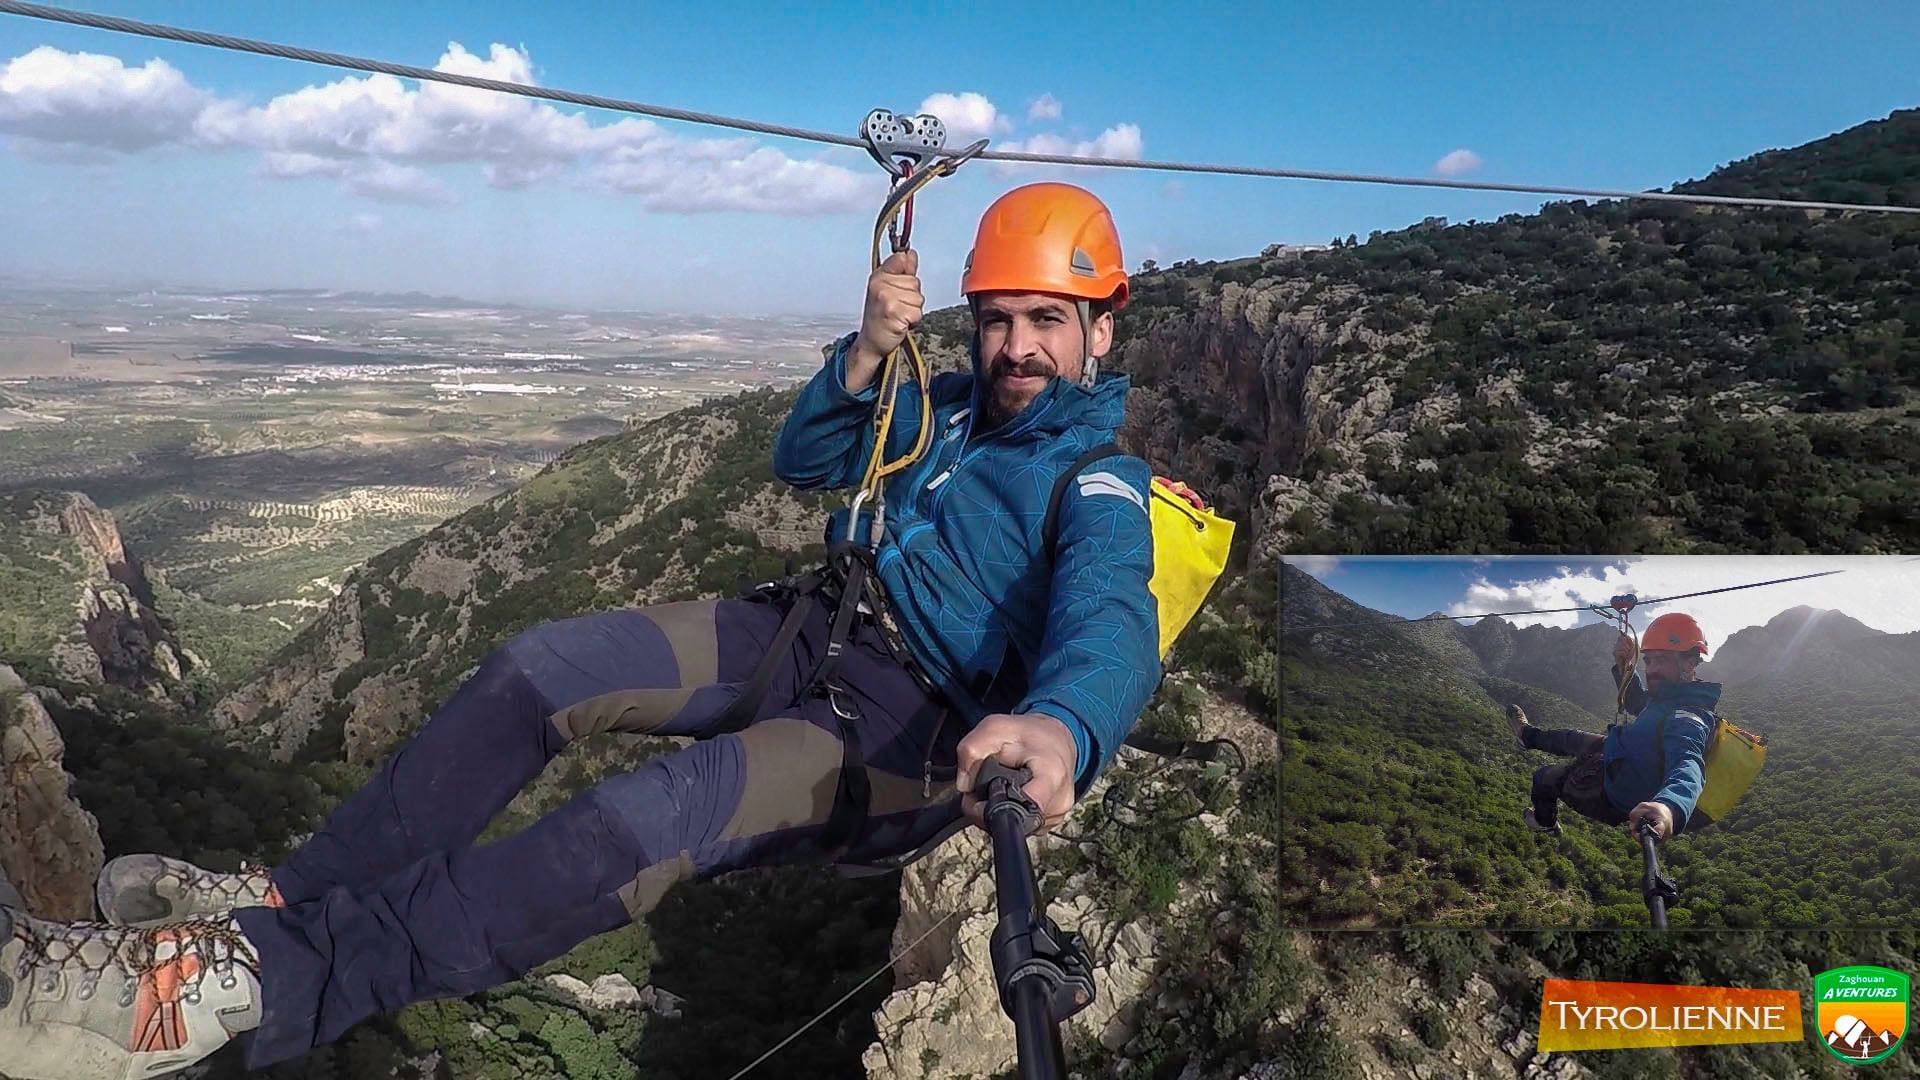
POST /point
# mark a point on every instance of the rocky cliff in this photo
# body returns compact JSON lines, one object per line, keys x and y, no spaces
{"x":50,"y":848}
{"x":944,"y":1007}
{"x":77,"y":597}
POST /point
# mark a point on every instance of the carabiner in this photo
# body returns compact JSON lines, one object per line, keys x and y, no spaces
{"x":853,"y":512}
{"x":900,"y":229}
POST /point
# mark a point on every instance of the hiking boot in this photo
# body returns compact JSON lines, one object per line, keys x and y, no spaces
{"x":88,"y":1001}
{"x":1534,"y":823}
{"x":146,"y":890}
{"x":1517,"y":720}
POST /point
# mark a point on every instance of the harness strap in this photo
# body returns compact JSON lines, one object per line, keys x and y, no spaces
{"x":854,"y":794}
{"x":746,"y":706}
{"x":851,"y":594}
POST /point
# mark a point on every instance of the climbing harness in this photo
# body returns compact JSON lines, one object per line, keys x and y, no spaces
{"x":1042,"y":972}
{"x":1655,"y":887}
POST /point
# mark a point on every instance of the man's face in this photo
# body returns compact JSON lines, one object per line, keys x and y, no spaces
{"x":1666,"y":665}
{"x":1026,"y":340}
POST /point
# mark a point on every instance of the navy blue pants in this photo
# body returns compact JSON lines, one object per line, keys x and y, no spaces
{"x":390,"y":903}
{"x":1581,"y":783}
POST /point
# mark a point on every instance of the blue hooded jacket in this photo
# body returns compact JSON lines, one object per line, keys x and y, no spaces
{"x":1634,"y":751}
{"x":961,"y":557}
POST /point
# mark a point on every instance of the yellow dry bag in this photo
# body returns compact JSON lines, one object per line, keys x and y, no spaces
{"x":1734,"y":758}
{"x":1190,"y":545}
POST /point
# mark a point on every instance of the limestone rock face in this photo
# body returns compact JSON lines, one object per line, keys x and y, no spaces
{"x":50,"y":849}
{"x":616,"y":991}
{"x":280,"y":708}
{"x":110,"y":633}
{"x":945,"y":1006}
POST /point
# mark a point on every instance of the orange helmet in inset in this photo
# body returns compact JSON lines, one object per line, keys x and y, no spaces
{"x":1673,"y":632}
{"x":1054,"y":238}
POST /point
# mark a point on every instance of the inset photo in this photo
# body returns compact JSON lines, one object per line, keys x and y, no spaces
{"x":1601,"y":741}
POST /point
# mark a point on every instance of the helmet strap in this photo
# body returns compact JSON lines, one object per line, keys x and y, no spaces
{"x":1089,"y":364}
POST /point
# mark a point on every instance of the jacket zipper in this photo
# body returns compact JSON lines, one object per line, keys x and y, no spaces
{"x":933,"y":510}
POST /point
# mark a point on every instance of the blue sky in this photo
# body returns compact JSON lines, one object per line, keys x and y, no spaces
{"x":1882,"y":591}
{"x":234,"y":193}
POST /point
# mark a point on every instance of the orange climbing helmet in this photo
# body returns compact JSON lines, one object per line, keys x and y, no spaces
{"x":1674,"y":632}
{"x":1050,"y":237}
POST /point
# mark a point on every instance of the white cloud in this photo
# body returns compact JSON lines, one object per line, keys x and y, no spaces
{"x":1120,"y":142}
{"x":375,"y":178}
{"x":377,"y":136}
{"x":1458,"y":163}
{"x":1044,"y":107}
{"x":85,"y":99}
{"x":1320,"y":566}
{"x":362,"y":224}
{"x":967,"y":116}
{"x":389,"y":182}
{"x":1881,"y":591}
{"x":688,"y":179}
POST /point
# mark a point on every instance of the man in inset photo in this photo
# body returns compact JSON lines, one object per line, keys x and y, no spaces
{"x":1648,"y":770}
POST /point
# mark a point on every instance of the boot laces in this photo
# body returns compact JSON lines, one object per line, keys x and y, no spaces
{"x":139,"y":953}
{"x":225,"y":886}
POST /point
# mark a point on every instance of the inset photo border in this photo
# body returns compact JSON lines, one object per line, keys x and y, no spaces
{"x":1463,"y":746}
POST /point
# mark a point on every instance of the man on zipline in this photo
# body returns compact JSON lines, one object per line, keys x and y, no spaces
{"x":974,"y":644}
{"x":1650,"y":769}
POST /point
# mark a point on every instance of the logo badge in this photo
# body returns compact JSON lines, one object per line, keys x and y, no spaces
{"x":1862,"y":1012}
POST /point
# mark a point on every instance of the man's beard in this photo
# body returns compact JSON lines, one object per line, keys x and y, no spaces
{"x":999,"y":403}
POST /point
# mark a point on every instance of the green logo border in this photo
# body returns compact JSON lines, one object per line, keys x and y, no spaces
{"x":1831,"y":976}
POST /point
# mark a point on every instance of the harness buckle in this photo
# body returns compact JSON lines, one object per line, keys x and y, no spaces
{"x":842,"y":702}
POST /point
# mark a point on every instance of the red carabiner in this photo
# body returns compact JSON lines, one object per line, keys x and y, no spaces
{"x":900,"y":229}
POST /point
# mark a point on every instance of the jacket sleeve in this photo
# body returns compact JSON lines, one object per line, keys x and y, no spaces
{"x":828,"y":436}
{"x":1099,"y":660}
{"x":1685,"y":744}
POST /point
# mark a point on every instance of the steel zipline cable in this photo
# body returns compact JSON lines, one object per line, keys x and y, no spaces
{"x":1555,"y":611}
{"x":596,"y":101}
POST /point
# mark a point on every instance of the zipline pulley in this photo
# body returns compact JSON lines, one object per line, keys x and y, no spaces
{"x":905,"y":146}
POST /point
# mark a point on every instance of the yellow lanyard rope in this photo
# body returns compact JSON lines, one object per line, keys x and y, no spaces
{"x":892,"y":370}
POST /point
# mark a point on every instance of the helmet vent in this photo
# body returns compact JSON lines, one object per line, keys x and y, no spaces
{"x":1082,"y":263}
